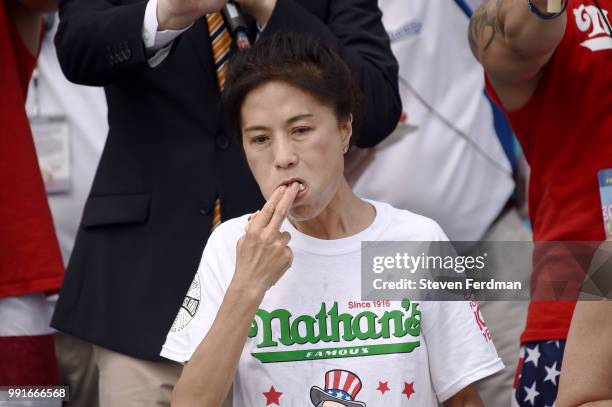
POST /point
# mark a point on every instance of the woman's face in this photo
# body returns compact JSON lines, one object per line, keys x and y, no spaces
{"x":288,"y":135}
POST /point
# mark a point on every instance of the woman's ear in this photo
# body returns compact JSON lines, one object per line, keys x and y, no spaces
{"x":346,"y":129}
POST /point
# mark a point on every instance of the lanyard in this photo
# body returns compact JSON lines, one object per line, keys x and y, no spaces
{"x":35,"y":106}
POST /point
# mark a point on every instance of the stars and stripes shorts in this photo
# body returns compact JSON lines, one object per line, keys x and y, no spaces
{"x":537,"y":375}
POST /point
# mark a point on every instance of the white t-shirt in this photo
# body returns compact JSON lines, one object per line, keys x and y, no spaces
{"x":313,"y":339}
{"x":435,"y":170}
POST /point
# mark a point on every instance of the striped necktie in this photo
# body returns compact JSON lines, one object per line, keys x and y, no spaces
{"x":221,"y":43}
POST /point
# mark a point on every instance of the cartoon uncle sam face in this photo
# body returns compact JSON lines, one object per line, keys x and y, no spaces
{"x":341,"y":388}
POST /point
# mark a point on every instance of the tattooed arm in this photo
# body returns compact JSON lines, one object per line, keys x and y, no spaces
{"x":513,"y":45}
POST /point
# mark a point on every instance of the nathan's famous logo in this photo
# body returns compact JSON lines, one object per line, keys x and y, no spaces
{"x":329,"y":326}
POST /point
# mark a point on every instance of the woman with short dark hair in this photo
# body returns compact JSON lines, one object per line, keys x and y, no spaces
{"x":275,"y":306}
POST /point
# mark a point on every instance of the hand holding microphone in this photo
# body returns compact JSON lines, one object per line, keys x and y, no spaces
{"x":178,"y":14}
{"x":236,"y":24}
{"x":261,"y":10}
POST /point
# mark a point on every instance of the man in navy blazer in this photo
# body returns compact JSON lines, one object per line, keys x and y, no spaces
{"x":167,"y":157}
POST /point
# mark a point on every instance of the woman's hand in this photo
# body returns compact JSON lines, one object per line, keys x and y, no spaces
{"x":261,"y":259}
{"x":262,"y":254}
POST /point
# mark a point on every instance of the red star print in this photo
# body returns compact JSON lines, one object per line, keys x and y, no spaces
{"x":383,"y":387}
{"x":408,"y":389}
{"x":272,"y":396}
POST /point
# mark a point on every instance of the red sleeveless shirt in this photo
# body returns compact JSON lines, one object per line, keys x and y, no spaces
{"x":565,"y":131}
{"x":30,"y":259}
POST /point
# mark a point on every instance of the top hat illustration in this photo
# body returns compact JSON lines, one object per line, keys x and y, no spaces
{"x":341,"y":386}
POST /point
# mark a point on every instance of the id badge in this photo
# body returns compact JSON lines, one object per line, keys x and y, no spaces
{"x":605,"y":191}
{"x":52,"y":140}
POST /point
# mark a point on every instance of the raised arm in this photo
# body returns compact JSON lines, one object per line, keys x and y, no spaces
{"x":354,"y":28}
{"x":208,"y":376}
{"x":262,"y":257}
{"x":100,"y":41}
{"x":513,"y":45}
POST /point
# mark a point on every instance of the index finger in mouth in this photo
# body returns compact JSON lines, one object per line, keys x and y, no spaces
{"x":282,"y":209}
{"x":266,"y":212}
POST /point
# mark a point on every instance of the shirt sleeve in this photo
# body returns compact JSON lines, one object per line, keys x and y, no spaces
{"x":459,"y":346}
{"x":199,"y":309}
{"x":157,"y":43}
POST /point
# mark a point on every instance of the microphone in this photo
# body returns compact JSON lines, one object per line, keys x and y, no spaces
{"x":236,"y":24}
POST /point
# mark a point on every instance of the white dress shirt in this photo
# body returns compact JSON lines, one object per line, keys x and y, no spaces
{"x":157,"y":43}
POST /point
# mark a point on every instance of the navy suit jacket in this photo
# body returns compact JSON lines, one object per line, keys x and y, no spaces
{"x":167,"y":157}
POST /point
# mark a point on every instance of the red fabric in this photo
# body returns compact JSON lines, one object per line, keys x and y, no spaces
{"x":28,"y":361}
{"x":565,"y":131}
{"x":30,"y":259}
